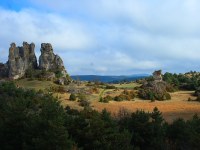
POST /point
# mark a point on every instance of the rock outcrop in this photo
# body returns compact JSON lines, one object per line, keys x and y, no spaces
{"x":21,"y":59}
{"x":155,"y":89}
{"x":49,"y":61}
{"x":157,"y":75}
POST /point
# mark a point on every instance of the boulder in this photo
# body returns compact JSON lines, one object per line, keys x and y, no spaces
{"x":21,"y":59}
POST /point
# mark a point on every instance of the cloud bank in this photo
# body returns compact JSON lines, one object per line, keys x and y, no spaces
{"x":108,"y":37}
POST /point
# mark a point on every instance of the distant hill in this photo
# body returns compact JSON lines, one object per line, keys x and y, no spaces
{"x":107,"y":79}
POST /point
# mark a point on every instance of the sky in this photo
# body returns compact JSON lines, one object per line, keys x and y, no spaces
{"x":107,"y":37}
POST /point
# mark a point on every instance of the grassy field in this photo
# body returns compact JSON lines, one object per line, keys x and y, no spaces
{"x":34,"y":84}
{"x":127,"y":86}
{"x":178,"y":106}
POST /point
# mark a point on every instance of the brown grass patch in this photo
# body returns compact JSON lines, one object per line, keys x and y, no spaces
{"x":177,"y":107}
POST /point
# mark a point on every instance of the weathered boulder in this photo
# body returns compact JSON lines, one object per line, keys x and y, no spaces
{"x":51,"y":62}
{"x":21,"y":59}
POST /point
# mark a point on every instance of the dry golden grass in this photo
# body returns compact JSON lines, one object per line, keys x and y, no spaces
{"x":177,"y":107}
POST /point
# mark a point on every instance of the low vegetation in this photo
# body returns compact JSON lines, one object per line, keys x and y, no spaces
{"x":126,"y":95}
{"x":42,"y":123}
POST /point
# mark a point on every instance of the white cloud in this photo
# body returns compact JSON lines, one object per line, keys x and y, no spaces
{"x":110,"y":36}
{"x":29,"y":25}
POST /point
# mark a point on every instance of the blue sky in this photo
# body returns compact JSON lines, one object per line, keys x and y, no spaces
{"x":107,"y":37}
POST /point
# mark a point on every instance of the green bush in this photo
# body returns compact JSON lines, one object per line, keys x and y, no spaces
{"x":72,"y":97}
{"x":198,"y":98}
{"x":106,"y":99}
{"x":125,"y":95}
{"x":84,"y":103}
{"x":119,"y":98}
{"x":110,"y":87}
{"x":31,"y":120}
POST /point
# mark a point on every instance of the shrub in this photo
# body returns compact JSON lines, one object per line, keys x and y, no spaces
{"x":72,"y":97}
{"x":106,"y":99}
{"x":198,"y":98}
{"x":81,"y":96}
{"x":119,"y":98}
{"x":82,"y":99}
{"x":110,"y":87}
{"x":84,"y":103}
{"x":189,"y":99}
{"x":125,"y":95}
{"x":58,"y":89}
{"x":58,"y":74}
{"x":167,"y":96}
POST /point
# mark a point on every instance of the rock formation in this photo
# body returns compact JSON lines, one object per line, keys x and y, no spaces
{"x":156,"y":89}
{"x":21,"y":59}
{"x":49,"y":61}
{"x":157,"y":75}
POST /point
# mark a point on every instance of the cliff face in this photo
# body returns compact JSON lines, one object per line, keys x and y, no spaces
{"x":49,"y":61}
{"x":21,"y":59}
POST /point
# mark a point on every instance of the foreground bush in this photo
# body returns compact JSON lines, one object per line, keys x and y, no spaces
{"x":31,"y":120}
{"x":72,"y":97}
